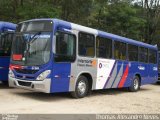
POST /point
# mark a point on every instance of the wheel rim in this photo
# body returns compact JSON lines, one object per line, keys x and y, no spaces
{"x":136,"y":84}
{"x":81,"y":87}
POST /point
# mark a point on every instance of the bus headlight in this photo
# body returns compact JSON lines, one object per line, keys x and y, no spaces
{"x":44,"y":75}
{"x":11,"y":74}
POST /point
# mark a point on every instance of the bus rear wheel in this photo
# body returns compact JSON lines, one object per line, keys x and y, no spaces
{"x":81,"y":88}
{"x":135,"y":85}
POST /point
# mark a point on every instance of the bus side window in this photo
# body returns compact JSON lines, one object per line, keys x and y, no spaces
{"x":65,"y":47}
{"x":104,"y":47}
{"x":86,"y":45}
{"x":152,"y":56}
{"x":119,"y":50}
{"x":132,"y":52}
{"x":6,"y":42}
{"x":143,"y":54}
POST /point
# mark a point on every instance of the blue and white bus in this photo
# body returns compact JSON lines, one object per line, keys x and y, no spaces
{"x":6,"y":35}
{"x":52,"y":55}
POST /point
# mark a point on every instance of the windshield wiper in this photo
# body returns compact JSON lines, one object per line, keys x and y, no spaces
{"x":32,"y":39}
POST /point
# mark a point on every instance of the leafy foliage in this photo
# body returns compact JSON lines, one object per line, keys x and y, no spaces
{"x":129,"y":18}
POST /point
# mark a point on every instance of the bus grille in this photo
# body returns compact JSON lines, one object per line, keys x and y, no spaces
{"x":28,"y":84}
{"x":26,"y":77}
{"x":25,"y":71}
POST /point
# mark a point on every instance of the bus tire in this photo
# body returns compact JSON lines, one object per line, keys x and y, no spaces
{"x":135,"y":84}
{"x":81,"y":88}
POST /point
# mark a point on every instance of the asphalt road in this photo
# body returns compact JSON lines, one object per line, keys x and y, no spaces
{"x":19,"y":101}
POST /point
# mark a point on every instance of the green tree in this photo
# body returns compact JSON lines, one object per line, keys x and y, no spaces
{"x":136,"y":19}
{"x":151,"y":13}
{"x":119,"y":17}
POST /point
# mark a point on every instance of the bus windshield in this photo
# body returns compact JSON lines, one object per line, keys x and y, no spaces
{"x":32,"y":43}
{"x":31,"y":48}
{"x":5,"y":43}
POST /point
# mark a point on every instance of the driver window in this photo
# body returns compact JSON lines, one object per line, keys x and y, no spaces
{"x":65,"y":47}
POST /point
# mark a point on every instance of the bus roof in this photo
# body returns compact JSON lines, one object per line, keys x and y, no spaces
{"x":7,"y":25}
{"x":70,"y":25}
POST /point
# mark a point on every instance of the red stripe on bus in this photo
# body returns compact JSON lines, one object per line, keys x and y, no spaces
{"x":124,"y":77}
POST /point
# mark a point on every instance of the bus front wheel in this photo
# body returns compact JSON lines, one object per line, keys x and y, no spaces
{"x":135,"y":84}
{"x":81,"y":88}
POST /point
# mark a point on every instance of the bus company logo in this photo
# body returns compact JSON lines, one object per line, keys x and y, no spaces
{"x":104,"y":64}
{"x":100,"y":65}
{"x":141,"y":67}
{"x":86,"y":63}
{"x":155,"y":68}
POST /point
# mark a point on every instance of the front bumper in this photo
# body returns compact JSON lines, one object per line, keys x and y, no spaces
{"x":40,"y":86}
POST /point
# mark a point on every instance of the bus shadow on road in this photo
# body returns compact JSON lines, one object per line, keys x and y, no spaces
{"x":112,"y":91}
{"x":157,"y":83}
{"x":61,"y":96}
{"x":4,"y":86}
{"x":115,"y":91}
{"x":45,"y":97}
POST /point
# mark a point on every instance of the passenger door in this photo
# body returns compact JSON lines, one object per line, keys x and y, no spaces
{"x":65,"y":54}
